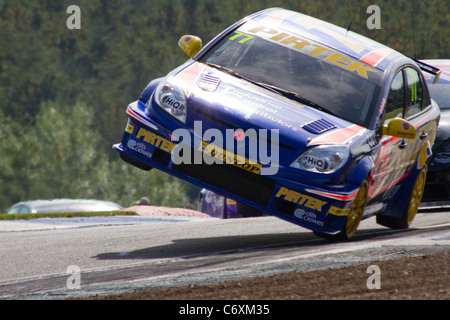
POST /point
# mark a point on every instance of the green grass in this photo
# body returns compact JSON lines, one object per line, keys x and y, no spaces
{"x":29,"y":216}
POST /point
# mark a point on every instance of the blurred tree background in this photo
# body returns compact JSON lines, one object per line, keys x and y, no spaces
{"x":63,"y":93}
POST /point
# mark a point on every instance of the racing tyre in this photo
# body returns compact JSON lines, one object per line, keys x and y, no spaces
{"x":413,"y":206}
{"x":354,"y":216}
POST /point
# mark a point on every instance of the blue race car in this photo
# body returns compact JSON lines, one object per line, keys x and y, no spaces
{"x":295,"y":117}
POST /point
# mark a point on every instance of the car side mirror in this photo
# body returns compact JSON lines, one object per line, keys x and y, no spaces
{"x":400,"y":128}
{"x":190,"y":45}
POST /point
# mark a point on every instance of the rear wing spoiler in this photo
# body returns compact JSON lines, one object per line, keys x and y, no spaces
{"x":429,"y":69}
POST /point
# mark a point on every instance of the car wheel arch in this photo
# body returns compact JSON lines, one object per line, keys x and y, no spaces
{"x":410,"y":209}
{"x":362,"y":171}
{"x":149,"y":89}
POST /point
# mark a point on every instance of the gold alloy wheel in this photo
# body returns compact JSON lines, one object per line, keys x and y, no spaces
{"x":356,"y":211}
{"x":416,"y":197}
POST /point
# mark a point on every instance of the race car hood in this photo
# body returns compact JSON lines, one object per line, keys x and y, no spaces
{"x":220,"y":100}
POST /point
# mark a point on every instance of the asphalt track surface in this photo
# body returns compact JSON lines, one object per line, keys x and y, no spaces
{"x":53,"y":259}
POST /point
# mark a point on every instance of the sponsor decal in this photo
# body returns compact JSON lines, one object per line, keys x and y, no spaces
{"x":139,"y":147}
{"x":129,"y":128}
{"x":229,"y":158}
{"x":307,"y":216}
{"x":243,"y":38}
{"x":172,"y":103}
{"x":425,"y":154}
{"x":309,"y":48}
{"x":155,"y":140}
{"x":338,"y":211}
{"x":300,"y":199}
{"x":277,"y":120}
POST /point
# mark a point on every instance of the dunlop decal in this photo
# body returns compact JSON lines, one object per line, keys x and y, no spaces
{"x":229,"y":158}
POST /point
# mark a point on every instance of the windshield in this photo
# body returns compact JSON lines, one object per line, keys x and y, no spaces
{"x":328,"y":86}
{"x":441,"y":94}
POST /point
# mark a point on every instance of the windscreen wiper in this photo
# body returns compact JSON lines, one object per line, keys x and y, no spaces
{"x":237,"y":75}
{"x":226,"y":70}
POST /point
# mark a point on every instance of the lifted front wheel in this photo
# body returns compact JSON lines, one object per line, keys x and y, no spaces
{"x":354,"y":216}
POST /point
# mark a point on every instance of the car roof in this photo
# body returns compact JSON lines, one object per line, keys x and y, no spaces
{"x":355,"y":45}
{"x":443,"y":65}
{"x":69,"y":205}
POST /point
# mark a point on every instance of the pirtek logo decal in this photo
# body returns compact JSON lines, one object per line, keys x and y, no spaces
{"x":310,"y":48}
{"x":301,"y":199}
{"x":155,"y":140}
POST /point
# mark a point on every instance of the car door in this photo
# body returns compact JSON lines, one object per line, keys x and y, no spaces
{"x":420,"y":114}
{"x":392,"y":148}
{"x":408,"y":98}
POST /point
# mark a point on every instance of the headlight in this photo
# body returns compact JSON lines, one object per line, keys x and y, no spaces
{"x":172,"y":99}
{"x":322,"y":159}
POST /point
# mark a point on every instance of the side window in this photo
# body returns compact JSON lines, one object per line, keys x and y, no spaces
{"x":414,"y":93}
{"x":396,"y":98}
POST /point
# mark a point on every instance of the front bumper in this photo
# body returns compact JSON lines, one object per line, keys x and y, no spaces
{"x":147,"y":144}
